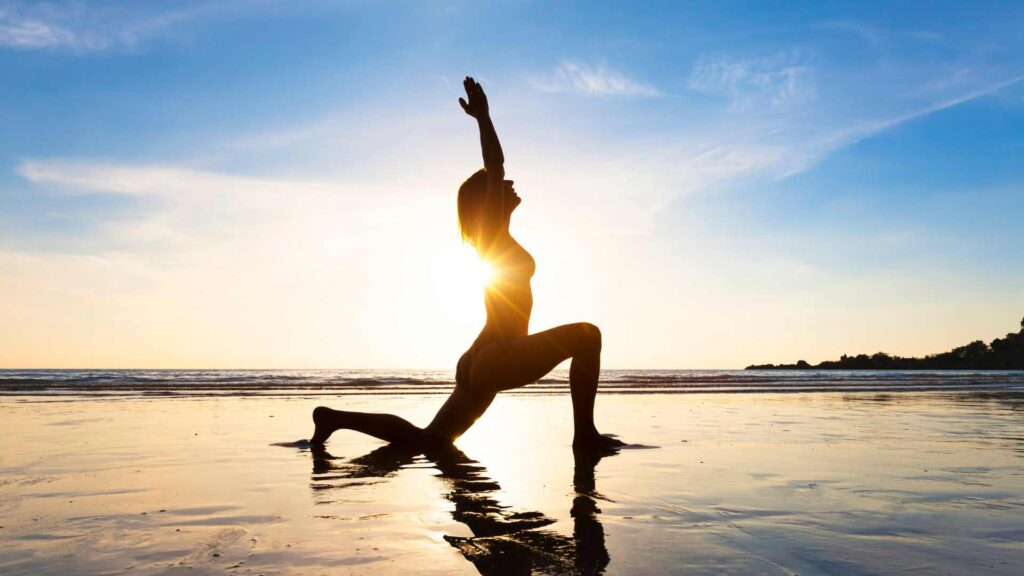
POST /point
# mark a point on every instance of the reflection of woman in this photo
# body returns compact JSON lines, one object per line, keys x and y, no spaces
{"x":504,"y":355}
{"x":504,"y":541}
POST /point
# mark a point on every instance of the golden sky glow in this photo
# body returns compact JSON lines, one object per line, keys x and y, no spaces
{"x":185,"y":190}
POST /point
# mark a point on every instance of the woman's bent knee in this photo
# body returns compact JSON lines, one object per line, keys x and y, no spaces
{"x":591,"y":335}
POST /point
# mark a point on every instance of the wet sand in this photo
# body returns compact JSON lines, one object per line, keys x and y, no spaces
{"x":805,"y":483}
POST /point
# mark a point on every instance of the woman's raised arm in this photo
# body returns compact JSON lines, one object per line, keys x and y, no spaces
{"x":492,"y":217}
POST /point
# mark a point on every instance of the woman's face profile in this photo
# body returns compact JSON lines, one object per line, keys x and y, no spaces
{"x":511,"y":198}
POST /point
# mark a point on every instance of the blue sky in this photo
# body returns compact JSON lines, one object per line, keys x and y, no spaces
{"x":269,"y":184}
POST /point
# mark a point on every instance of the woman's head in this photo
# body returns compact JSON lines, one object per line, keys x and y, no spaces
{"x":471,"y":202}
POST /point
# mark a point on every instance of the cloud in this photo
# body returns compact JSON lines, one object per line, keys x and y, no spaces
{"x":87,"y":28}
{"x":780,"y":81}
{"x":80,"y":178}
{"x":878,"y":37}
{"x":176,"y":204}
{"x":593,"y":81}
{"x":31,"y":33}
{"x":858,"y":131}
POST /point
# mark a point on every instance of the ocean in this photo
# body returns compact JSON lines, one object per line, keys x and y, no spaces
{"x":379,"y":381}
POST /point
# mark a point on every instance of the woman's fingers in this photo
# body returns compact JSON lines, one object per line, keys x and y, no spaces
{"x":475,"y":96}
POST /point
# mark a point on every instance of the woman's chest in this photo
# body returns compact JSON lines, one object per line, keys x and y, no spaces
{"x":512,"y":263}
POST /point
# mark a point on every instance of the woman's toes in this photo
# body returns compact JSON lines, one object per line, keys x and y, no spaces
{"x":319,"y":413}
{"x":321,"y":428}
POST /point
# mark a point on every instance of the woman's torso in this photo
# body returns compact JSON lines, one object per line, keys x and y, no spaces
{"x":508,"y":297}
{"x":509,"y":301}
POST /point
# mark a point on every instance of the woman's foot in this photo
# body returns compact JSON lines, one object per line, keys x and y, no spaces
{"x":323,"y":426}
{"x":597,"y":442}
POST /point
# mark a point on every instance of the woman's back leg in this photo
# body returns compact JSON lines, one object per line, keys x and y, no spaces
{"x":387,"y":427}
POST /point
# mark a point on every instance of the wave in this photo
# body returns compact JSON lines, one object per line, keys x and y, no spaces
{"x":317,"y":382}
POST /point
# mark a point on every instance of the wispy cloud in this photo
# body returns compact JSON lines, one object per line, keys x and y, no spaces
{"x":596,"y":80}
{"x":83,"y":27}
{"x":864,"y":129}
{"x":878,"y":37}
{"x":18,"y":30}
{"x":79,"y":178}
{"x":779,"y":81}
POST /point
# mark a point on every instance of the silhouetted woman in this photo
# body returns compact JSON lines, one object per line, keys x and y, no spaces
{"x":504,"y":355}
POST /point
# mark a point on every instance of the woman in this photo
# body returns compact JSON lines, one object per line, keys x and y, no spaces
{"x":503,"y":356}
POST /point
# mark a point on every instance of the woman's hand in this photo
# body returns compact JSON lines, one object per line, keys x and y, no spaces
{"x":477,"y":105}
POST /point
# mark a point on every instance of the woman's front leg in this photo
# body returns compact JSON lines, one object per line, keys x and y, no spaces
{"x":584,"y":373}
{"x":528,"y":359}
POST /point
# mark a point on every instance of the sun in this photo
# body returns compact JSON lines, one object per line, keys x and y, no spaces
{"x":462,"y":266}
{"x":482,"y":271}
{"x":459,"y":278}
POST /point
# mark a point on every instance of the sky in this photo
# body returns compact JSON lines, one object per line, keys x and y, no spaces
{"x":260,"y":184}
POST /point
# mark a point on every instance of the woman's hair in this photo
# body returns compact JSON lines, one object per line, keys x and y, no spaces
{"x":471,"y":200}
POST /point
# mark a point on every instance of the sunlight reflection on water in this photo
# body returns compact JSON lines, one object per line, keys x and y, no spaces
{"x":768,"y":483}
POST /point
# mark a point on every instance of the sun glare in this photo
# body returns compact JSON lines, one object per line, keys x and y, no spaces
{"x":482,"y":271}
{"x":459,"y":278}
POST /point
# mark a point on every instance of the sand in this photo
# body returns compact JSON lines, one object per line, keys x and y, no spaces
{"x":815,"y":483}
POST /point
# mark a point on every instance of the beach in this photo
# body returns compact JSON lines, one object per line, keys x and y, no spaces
{"x":775,"y":482}
{"x":773,"y":244}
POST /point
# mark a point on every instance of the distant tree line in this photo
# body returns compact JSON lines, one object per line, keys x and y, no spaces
{"x":1002,"y":354}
